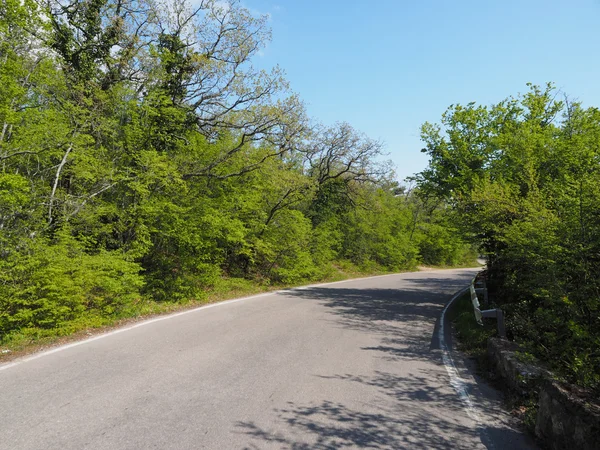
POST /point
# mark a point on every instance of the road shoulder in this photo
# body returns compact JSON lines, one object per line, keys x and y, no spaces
{"x":484,"y":404}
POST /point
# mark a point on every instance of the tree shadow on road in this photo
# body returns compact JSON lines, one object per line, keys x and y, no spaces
{"x":375,"y":309}
{"x":407,"y":415}
{"x":332,"y":426}
{"x":407,"y":318}
{"x":410,"y":413}
{"x":415,"y":411}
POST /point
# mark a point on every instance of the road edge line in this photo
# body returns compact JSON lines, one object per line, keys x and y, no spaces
{"x":60,"y":348}
{"x":456,"y":381}
{"x":128,"y":328}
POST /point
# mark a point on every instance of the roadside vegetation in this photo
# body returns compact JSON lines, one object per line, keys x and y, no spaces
{"x":146,"y":164}
{"x":524,"y":176}
{"x":472,"y":337}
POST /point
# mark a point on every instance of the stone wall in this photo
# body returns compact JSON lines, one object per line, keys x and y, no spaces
{"x":564,"y":420}
{"x":520,"y":377}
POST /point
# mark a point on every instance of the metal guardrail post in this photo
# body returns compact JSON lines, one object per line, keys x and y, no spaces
{"x":481,"y":286}
{"x":498,"y":314}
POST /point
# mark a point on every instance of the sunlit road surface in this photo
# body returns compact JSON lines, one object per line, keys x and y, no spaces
{"x":355,"y":364}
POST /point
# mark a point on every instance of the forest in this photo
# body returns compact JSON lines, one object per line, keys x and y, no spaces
{"x":145,"y":161}
{"x":524,"y":177}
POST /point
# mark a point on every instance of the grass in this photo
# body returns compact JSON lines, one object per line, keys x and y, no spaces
{"x":472,"y":337}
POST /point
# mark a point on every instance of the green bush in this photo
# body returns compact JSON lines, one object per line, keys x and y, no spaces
{"x":524,"y":177}
{"x":49,"y":286}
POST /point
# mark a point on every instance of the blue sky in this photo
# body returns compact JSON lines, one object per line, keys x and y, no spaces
{"x":388,"y":66}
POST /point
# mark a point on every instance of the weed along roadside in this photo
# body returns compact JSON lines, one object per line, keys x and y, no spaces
{"x":560,"y":415}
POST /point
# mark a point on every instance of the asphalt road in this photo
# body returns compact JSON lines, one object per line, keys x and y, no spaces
{"x":354,"y":364}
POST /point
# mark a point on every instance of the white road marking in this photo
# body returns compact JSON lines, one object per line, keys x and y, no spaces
{"x":131,"y":327}
{"x":189,"y":311}
{"x":456,"y":381}
{"x":170,"y":316}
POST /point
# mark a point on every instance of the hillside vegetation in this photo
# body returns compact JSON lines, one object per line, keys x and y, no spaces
{"x":144,"y":161}
{"x":524,"y":176}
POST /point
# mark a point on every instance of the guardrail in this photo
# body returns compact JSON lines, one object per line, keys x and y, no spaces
{"x":497,"y":314}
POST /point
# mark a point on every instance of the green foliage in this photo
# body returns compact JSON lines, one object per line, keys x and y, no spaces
{"x":377,"y":232}
{"x":14,"y":193}
{"x":440,"y":245}
{"x":472,"y":337}
{"x":144,"y":162}
{"x":52,"y":284}
{"x":524,"y":175}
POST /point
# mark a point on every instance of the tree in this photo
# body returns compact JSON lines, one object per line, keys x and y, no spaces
{"x":523,"y":175}
{"x":144,"y":159}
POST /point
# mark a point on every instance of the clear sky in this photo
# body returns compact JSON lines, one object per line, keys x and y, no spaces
{"x":387,"y":66}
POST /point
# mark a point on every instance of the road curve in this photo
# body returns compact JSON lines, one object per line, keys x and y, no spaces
{"x":354,"y":364}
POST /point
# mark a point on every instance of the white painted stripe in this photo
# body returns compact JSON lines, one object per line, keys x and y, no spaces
{"x":189,"y":311}
{"x":131,"y":327}
{"x":456,"y":381}
{"x":301,"y":288}
{"x":177,"y":314}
